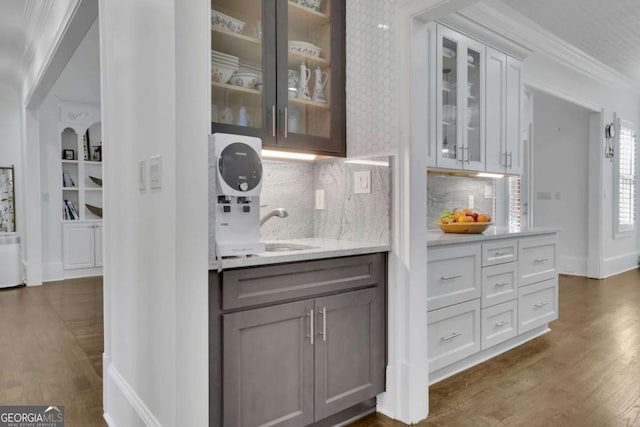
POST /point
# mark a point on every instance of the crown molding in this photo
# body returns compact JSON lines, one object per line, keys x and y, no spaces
{"x":499,"y":18}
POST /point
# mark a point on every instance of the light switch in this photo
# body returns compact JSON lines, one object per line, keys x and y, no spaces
{"x":155,"y":172}
{"x":319,"y":200}
{"x":362,"y":182}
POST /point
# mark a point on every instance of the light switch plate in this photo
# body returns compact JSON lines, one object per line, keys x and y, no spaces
{"x":320,"y":200}
{"x":362,"y":182}
{"x":155,"y":172}
{"x":142,"y":175}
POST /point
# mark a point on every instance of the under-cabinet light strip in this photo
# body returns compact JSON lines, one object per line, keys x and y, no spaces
{"x":287,"y":155}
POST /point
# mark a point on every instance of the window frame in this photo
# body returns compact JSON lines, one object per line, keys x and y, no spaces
{"x":624,"y":230}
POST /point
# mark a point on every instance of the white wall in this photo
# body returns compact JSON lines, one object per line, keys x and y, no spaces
{"x":80,"y":82}
{"x":155,"y":102}
{"x":10,"y":137}
{"x":545,"y":74}
{"x":560,"y":170}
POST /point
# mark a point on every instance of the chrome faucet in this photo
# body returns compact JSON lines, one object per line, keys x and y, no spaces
{"x":280,"y":213}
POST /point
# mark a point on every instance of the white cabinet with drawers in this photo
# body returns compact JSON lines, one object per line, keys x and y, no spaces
{"x":488,"y":295}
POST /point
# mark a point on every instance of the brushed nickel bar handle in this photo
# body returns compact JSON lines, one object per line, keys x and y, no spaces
{"x":450,"y":277}
{"x":502,"y":284}
{"x":540,"y":304}
{"x":501,"y":324}
{"x":311,"y":334}
{"x":273,"y":121}
{"x":324,"y":323}
{"x":539,"y":260}
{"x":510,"y":160}
{"x":286,"y":122}
{"x":450,"y":337}
{"x":468,"y":157}
{"x":502,"y":253}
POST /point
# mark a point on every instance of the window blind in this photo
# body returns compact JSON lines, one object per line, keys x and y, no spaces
{"x":626,"y":179}
{"x":515,"y":202}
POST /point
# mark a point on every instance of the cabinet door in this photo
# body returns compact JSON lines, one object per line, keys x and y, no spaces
{"x":98,"y":245}
{"x":350,"y":350}
{"x":268,"y":366}
{"x":450,"y":99}
{"x":496,"y":93}
{"x":474,"y":110}
{"x":78,"y":246}
{"x":514,"y":146}
{"x":311,"y":76}
{"x":244,"y":103}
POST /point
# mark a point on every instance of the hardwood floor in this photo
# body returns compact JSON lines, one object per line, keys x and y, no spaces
{"x":51,"y":343}
{"x":585,"y":372}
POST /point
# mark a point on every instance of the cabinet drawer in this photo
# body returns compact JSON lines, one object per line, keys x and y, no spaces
{"x":499,"y":284}
{"x":499,"y":323}
{"x":275,"y":283}
{"x":538,"y":304}
{"x":453,"y":334}
{"x":537,"y":259}
{"x":499,"y":252}
{"x":453,"y":275}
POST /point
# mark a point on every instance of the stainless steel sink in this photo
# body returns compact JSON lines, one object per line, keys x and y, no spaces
{"x":286,"y":247}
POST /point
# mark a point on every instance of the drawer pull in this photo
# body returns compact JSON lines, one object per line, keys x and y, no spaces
{"x":502,"y":253}
{"x":455,"y":276}
{"x":540,"y":304}
{"x":539,"y":260}
{"x":499,"y":285}
{"x":501,"y":324}
{"x":450,"y":337}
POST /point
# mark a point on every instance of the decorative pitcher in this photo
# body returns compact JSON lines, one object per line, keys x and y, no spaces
{"x":321,"y":78}
{"x":303,"y":89}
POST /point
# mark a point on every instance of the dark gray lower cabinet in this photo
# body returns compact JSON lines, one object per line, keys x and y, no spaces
{"x":298,"y":363}
{"x":268,"y":366}
{"x":349,"y":350}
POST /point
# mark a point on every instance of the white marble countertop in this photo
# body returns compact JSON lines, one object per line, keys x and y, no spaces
{"x":321,"y":248}
{"x":438,"y":238}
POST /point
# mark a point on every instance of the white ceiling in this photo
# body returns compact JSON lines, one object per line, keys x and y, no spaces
{"x":607,"y":30}
{"x":21,"y":23}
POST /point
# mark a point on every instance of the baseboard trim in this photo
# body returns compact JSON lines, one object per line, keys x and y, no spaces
{"x":475,"y":359}
{"x":52,"y":272}
{"x":144,"y":416}
{"x":109,"y":420}
{"x":572,"y":266}
{"x":82,"y":273}
{"x":620,"y":264}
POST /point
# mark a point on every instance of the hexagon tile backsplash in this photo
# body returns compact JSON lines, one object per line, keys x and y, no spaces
{"x":372,"y":128}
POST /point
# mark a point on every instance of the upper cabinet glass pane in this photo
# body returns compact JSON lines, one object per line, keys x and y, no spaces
{"x":309,"y":73}
{"x":474,"y":105}
{"x":237,"y":62}
{"x":449,"y":98}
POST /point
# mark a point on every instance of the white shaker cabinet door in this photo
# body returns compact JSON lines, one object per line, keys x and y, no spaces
{"x":78,"y":246}
{"x":496,"y":92}
{"x":514,"y":145}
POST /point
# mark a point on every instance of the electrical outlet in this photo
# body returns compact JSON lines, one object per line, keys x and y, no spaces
{"x":362,"y":182}
{"x":472,"y":204}
{"x":142,"y":175}
{"x":319,"y":200}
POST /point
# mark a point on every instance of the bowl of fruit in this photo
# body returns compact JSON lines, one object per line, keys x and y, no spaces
{"x":464,"y":221}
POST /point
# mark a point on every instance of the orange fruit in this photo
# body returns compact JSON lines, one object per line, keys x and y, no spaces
{"x":483,"y":218}
{"x":467,"y":211}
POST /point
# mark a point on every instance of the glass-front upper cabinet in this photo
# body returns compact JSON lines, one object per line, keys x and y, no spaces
{"x":278,"y":72}
{"x":460,"y":96}
{"x":242,"y":64}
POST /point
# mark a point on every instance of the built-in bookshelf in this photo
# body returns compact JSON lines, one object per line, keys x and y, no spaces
{"x":81,"y":162}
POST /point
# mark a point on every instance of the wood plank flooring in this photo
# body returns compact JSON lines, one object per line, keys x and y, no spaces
{"x":51,"y":343}
{"x":585,"y":372}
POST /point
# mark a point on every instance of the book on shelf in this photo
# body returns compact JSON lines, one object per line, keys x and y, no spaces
{"x":70,"y":212}
{"x":67,"y":180}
